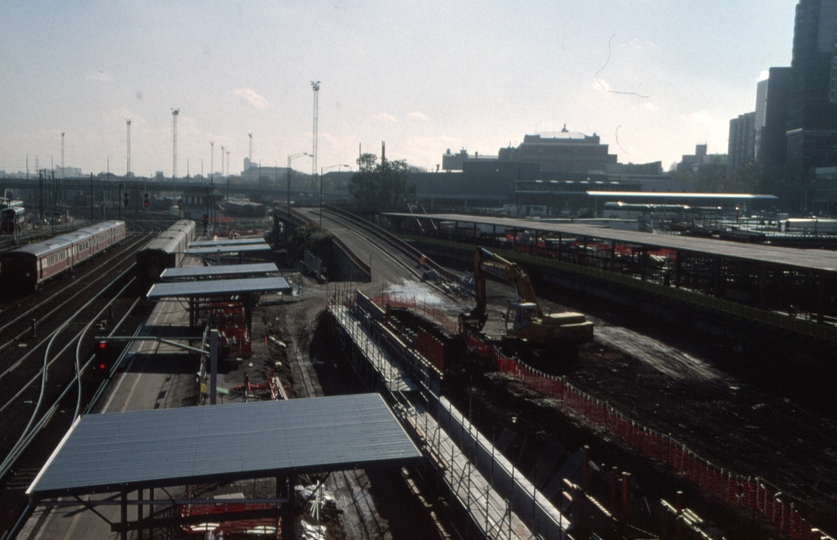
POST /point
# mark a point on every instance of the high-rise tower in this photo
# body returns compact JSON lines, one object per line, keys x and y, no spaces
{"x":812,"y":96}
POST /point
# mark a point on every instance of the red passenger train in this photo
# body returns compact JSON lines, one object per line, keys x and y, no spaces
{"x":26,"y":269}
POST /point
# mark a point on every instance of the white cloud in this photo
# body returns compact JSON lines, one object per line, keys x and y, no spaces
{"x":703,"y":117}
{"x":251,"y":97}
{"x":601,"y":85}
{"x":763,"y":75}
{"x":418,"y":116}
{"x":386,"y":117}
{"x":100,"y":76}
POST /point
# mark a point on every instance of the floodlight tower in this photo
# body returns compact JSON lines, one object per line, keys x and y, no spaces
{"x":62,"y":154}
{"x":222,"y":161}
{"x":316,"y":86}
{"x":228,"y":164}
{"x":174,"y":113}
{"x":250,"y":155}
{"x":128,"y":164}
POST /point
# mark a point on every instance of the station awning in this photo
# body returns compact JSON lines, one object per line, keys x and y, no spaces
{"x":218,"y":271}
{"x":228,"y":242}
{"x":223,"y":443}
{"x":218,"y":288}
{"x":228,"y":250}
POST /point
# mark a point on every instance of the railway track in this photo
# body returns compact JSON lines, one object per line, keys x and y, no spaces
{"x":41,"y":372}
{"x":741,"y":425}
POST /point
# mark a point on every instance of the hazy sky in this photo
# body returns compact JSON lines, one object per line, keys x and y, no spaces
{"x":651,"y":77}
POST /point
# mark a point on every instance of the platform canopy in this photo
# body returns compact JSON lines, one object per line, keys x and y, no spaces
{"x":228,"y":242}
{"x":223,"y":443}
{"x":218,"y":271}
{"x":218,"y":288}
{"x":668,"y":195}
{"x":809,"y":259}
{"x":227,"y":250}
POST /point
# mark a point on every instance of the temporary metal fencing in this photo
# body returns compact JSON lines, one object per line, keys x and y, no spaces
{"x":501,"y":502}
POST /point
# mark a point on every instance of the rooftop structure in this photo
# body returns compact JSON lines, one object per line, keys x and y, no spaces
{"x":563,"y":151}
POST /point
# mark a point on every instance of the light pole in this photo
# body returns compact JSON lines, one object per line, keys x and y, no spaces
{"x":276,"y":173}
{"x":54,"y":190}
{"x":107,"y":179}
{"x":322,"y":170}
{"x":290,"y":159}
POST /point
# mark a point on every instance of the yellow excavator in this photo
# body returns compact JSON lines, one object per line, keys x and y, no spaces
{"x":525,"y":320}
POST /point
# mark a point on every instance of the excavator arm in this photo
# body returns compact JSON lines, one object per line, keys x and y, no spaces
{"x":487,"y":263}
{"x":525,"y":321}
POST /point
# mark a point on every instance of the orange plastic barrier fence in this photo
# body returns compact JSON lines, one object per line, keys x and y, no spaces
{"x":431,"y":348}
{"x":239,"y":527}
{"x":735,"y":490}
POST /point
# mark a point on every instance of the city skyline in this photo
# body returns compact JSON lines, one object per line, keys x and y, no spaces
{"x":651,"y":79}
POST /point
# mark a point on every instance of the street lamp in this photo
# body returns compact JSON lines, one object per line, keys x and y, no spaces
{"x":52,"y":181}
{"x":290,"y":159}
{"x":322,"y":170}
{"x":276,"y":173}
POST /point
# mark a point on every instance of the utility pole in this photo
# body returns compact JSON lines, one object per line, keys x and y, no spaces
{"x":62,"y":154}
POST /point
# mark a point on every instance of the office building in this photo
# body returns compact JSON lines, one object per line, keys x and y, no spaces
{"x":812,"y":96}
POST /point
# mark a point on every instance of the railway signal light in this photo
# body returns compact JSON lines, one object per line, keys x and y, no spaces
{"x":205,"y":222}
{"x":106,"y":356}
{"x":145,"y":202}
{"x":126,"y":200}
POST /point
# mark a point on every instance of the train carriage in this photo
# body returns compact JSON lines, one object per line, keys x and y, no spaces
{"x":27,"y":268}
{"x":165,"y":251}
{"x":12,"y":219}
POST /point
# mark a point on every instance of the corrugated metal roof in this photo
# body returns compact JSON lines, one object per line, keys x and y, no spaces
{"x":228,"y":242}
{"x":220,"y":287}
{"x":812,"y":259}
{"x":222,"y":443}
{"x":247,"y":248}
{"x":226,"y":270}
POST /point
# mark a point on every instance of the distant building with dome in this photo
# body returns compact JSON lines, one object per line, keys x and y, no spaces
{"x":565,"y":151}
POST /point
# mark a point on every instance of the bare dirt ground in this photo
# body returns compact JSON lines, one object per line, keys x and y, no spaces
{"x":674,"y":383}
{"x":366,"y":504}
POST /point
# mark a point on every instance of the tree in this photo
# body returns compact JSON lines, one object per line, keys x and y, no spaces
{"x":381,"y":184}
